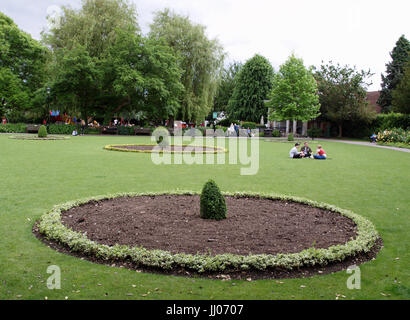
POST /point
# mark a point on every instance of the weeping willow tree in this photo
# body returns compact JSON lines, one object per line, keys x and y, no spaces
{"x":201,"y":60}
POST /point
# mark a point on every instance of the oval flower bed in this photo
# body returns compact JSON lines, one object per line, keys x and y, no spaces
{"x":35,"y":137}
{"x":151,"y":148}
{"x":50,"y":225}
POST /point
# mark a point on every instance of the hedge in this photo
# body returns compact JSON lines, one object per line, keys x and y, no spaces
{"x":13,"y":128}
{"x":51,"y":227}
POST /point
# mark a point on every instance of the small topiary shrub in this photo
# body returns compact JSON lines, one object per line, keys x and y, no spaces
{"x":213,"y":205}
{"x":291,"y":137}
{"x":42,"y":132}
{"x":276,"y":133}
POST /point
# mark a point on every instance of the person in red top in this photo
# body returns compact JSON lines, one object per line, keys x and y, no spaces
{"x":321,"y":154}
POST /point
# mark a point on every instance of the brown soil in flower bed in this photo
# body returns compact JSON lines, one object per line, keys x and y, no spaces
{"x":254,"y":225}
{"x":172,"y":223}
{"x":170,"y":148}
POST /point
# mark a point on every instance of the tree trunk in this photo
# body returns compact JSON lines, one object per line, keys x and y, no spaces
{"x":340,"y":131}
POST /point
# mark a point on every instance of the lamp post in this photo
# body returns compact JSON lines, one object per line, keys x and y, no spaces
{"x":48,"y":102}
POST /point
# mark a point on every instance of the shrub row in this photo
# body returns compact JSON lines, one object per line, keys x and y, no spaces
{"x":51,"y":226}
{"x":390,"y":121}
{"x":13,"y":128}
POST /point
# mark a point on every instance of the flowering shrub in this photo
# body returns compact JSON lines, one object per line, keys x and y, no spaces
{"x":394,"y":136}
{"x":51,"y":227}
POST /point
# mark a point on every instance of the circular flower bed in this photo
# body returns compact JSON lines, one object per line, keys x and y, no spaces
{"x":50,"y":225}
{"x":151,"y":148}
{"x":35,"y":137}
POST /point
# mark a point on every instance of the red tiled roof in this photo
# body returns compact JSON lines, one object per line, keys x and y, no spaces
{"x":372,"y":97}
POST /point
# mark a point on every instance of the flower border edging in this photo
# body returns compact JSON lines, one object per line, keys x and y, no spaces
{"x":51,"y":227}
{"x":35,"y":138}
{"x":115,"y":148}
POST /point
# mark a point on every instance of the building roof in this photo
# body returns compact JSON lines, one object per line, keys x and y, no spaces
{"x":372,"y":97}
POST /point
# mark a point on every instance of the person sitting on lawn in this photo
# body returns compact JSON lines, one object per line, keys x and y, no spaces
{"x":306,"y":150}
{"x":294,"y":153}
{"x":321,"y":154}
{"x":373,"y":137}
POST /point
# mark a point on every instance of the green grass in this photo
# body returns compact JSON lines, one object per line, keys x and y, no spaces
{"x":35,"y":175}
{"x":395,"y":144}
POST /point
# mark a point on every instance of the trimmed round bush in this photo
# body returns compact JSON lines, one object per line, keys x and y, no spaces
{"x":42,"y":132}
{"x":213,"y":205}
{"x":291,"y":137}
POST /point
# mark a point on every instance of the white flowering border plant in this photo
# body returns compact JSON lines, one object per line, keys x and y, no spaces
{"x":33,"y":137}
{"x":117,"y":147}
{"x":50,"y":225}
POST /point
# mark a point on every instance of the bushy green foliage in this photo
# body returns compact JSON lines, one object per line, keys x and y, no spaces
{"x":391,"y":120}
{"x":314,"y":132}
{"x":22,"y":68}
{"x":291,"y":137}
{"x":276,"y":133}
{"x":201,"y":59}
{"x":394,"y":135}
{"x":13,"y":128}
{"x":126,"y":131}
{"x":342,"y":94}
{"x":394,"y":73}
{"x":213,"y":204}
{"x":42,"y":132}
{"x":294,"y":94}
{"x":252,"y":86}
{"x":61,"y":128}
{"x":250,"y":125}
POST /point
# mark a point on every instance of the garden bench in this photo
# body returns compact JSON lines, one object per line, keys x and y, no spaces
{"x":268,"y":132}
{"x":142,"y":131}
{"x":32,"y":128}
{"x":109,"y":130}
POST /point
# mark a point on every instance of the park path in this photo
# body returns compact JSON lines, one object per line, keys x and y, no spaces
{"x":369,"y":144}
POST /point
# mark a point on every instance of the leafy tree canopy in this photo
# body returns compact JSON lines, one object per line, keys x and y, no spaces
{"x":200,"y":59}
{"x":22,"y":66}
{"x":294,"y":95}
{"x":252,"y":86}
{"x":342,"y":93}
{"x":394,"y":72}
{"x":226,"y":86}
{"x":401,"y":95}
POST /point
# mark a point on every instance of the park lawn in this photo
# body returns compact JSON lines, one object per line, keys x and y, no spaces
{"x":35,"y":175}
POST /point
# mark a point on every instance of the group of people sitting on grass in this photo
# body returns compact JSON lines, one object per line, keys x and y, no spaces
{"x":306,"y":152}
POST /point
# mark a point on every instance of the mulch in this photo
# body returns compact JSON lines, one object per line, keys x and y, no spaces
{"x":253,"y":226}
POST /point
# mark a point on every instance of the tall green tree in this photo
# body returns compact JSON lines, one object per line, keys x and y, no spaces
{"x":252,"y":86}
{"x":91,"y":31}
{"x":401,"y":95}
{"x":131,"y":74}
{"x":295,"y":94}
{"x":147,"y":73}
{"x":94,"y":26}
{"x":78,"y":80}
{"x":226,"y":85}
{"x":22,"y":68}
{"x":200,"y":58}
{"x":342,"y":94}
{"x":394,"y":72}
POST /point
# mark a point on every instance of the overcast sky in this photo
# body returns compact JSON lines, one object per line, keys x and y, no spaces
{"x":354,"y":32}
